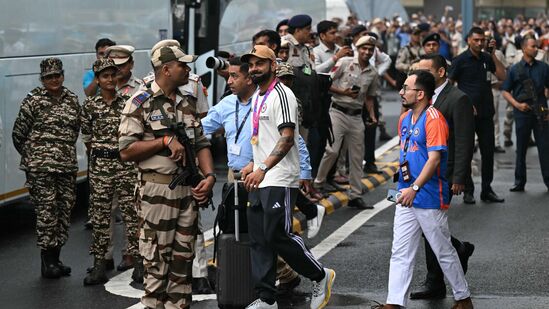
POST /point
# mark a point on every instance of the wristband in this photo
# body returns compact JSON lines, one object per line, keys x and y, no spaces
{"x":211,"y":174}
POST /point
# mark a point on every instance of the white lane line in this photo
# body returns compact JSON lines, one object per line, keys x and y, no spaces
{"x":348,"y":228}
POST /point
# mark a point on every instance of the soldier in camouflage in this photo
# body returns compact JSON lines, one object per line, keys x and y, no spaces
{"x":108,"y":175}
{"x":44,"y":134}
{"x":410,"y":53}
{"x":168,"y":218}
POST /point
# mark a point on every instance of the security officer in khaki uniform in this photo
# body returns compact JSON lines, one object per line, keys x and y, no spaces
{"x":44,"y":134}
{"x":299,"y":54}
{"x":354,"y":88}
{"x":168,"y":218}
{"x":108,"y":175}
{"x":127,"y":84}
{"x":410,"y":53}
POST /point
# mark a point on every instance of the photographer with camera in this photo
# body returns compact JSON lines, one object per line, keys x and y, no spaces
{"x":168,"y":218}
{"x":524,"y":88}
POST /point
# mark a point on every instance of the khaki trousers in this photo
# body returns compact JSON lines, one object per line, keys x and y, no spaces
{"x":350,"y":128}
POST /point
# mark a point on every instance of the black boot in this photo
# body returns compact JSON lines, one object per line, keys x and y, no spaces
{"x":49,"y":267}
{"x":383,"y":135}
{"x":138,"y":270}
{"x":98,"y":274}
{"x":65,"y":270}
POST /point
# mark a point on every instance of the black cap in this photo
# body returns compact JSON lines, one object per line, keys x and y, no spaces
{"x":357,"y":30}
{"x":300,"y":21}
{"x":325,"y":25}
{"x":431,"y":37}
{"x":424,"y":27}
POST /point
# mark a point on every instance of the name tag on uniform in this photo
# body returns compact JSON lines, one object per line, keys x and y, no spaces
{"x":190,"y":132}
{"x":157,"y":117}
{"x":234,"y":149}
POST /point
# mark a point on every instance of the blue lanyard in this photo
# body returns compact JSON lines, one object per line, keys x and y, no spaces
{"x":239,"y":128}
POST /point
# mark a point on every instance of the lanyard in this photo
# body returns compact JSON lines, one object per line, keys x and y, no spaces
{"x":410,"y":132}
{"x":239,"y":128}
{"x":257,"y":111}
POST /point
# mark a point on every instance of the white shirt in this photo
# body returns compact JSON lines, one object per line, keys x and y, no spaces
{"x":279,"y":111}
{"x":324,"y":57}
{"x":438,"y":90}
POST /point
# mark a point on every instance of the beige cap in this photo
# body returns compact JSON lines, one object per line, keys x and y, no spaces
{"x":166,"y":54}
{"x":376,"y":21}
{"x":120,"y":54}
{"x":366,"y":40}
{"x":164,"y":43}
{"x":259,"y":51}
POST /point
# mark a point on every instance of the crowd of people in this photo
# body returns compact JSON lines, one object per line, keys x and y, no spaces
{"x":300,"y":119}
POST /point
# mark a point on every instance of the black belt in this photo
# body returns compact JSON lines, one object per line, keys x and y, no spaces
{"x":105,"y":153}
{"x":347,"y":111}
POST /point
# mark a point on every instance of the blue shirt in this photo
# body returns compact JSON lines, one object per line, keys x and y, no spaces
{"x":428,"y":133}
{"x":538,"y":71}
{"x":88,"y":78}
{"x":222,"y":115}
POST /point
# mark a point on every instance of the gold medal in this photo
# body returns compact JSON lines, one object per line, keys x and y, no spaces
{"x":254,"y":140}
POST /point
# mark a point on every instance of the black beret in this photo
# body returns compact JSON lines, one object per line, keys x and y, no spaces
{"x":431,"y":37}
{"x":300,"y":21}
{"x":424,"y":27}
{"x":357,"y":30}
{"x":325,"y":25}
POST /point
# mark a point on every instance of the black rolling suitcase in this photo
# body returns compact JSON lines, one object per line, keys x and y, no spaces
{"x":234,"y":288}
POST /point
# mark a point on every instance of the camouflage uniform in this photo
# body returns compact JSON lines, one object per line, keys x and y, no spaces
{"x":168,"y":218}
{"x":131,"y":87}
{"x":107,"y":173}
{"x":407,"y":56}
{"x":44,"y":134}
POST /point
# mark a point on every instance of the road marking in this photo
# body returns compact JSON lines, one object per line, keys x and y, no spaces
{"x":120,"y":284}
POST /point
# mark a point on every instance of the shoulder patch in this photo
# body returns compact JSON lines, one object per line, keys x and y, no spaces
{"x":194,"y":77}
{"x":138,"y":100}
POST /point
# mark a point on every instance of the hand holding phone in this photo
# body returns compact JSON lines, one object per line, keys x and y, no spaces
{"x":393,"y":195}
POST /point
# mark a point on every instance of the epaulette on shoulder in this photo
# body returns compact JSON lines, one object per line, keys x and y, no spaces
{"x":141,"y":98}
{"x":35,"y":91}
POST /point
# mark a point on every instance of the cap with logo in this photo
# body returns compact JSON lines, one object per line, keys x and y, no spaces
{"x":259,"y":51}
{"x":284,"y":69}
{"x":51,"y":66}
{"x":433,"y":37}
{"x":300,"y":21}
{"x":366,"y":40}
{"x":120,"y":54}
{"x":167,"y":54}
{"x":103,"y":64}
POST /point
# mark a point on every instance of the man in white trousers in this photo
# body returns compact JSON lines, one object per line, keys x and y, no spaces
{"x":424,"y":197}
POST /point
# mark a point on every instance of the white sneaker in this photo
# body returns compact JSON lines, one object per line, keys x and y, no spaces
{"x":259,"y":304}
{"x":313,"y":225}
{"x":323,"y":290}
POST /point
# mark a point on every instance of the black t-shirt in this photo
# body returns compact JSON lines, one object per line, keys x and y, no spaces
{"x":472,"y":76}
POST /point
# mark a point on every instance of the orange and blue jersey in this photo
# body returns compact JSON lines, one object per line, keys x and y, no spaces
{"x":428,"y":133}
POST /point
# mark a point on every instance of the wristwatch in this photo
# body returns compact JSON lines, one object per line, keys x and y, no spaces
{"x":415,"y":187}
{"x":263,"y":167}
{"x":211,"y":174}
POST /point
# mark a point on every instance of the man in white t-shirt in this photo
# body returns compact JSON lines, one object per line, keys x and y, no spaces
{"x":273,"y":181}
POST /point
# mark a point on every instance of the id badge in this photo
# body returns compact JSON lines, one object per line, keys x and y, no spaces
{"x":234,"y":149}
{"x":190,"y":132}
{"x":306,"y":70}
{"x":405,"y":171}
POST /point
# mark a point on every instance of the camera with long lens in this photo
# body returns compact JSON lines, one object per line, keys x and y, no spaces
{"x":217,"y":63}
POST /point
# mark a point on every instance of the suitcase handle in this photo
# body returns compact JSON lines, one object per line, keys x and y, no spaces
{"x":237,"y":177}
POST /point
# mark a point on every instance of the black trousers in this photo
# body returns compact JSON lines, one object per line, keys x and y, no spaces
{"x":370,"y":134}
{"x":484,"y":128}
{"x":435,"y":276}
{"x":270,"y":230}
{"x":307,"y":207}
{"x":524,"y":127}
{"x":316,"y":144}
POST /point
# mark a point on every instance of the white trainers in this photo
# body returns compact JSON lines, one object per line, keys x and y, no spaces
{"x":323,"y":290}
{"x":259,"y":304}
{"x":313,"y":225}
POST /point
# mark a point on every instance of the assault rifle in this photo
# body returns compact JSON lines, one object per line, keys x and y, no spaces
{"x":530,"y":96}
{"x":189,"y":175}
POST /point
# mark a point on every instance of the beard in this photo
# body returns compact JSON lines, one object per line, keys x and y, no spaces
{"x":258,"y":79}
